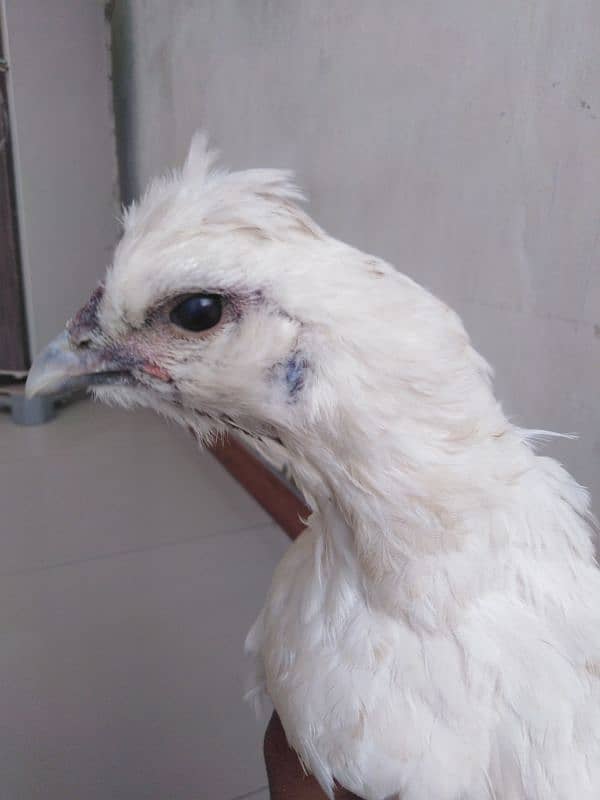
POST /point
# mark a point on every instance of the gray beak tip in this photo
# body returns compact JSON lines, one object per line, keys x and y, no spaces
{"x":51,"y":369}
{"x":62,"y":368}
{"x":30,"y":390}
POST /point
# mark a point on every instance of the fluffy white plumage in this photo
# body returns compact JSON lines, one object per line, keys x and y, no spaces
{"x":434,"y":633}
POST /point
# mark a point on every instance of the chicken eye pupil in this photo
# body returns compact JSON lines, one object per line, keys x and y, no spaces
{"x":198,"y":312}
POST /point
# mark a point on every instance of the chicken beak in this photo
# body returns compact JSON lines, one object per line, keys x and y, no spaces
{"x":61,"y":368}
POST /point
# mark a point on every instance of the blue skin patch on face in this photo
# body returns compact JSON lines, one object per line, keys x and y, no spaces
{"x":295,"y":373}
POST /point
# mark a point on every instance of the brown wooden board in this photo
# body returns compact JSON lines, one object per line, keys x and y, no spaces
{"x":264,"y":485}
{"x":13,"y":338}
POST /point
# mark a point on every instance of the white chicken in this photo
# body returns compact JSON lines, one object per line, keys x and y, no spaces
{"x":434,"y":634}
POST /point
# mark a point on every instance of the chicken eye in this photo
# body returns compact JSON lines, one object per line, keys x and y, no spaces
{"x":199,"y":312}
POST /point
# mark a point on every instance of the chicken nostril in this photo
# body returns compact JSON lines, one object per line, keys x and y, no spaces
{"x":81,"y":341}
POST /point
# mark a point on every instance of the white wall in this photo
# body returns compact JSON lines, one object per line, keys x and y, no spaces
{"x":459,"y":140}
{"x":64,"y":151}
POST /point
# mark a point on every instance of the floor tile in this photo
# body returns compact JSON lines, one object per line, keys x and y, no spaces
{"x":122,"y":677}
{"x":98,"y":480}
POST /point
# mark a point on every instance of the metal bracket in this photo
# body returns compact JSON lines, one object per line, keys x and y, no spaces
{"x":29,"y":410}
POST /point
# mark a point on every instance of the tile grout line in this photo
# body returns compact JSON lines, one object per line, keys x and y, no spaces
{"x":149,"y":548}
{"x":251,"y":794}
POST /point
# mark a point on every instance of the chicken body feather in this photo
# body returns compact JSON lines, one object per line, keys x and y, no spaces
{"x":494,"y":693}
